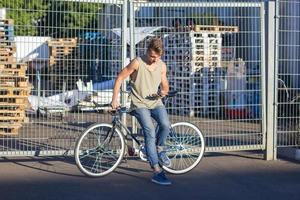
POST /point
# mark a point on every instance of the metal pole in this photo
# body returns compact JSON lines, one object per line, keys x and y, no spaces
{"x":124,"y":55}
{"x":131,"y":29}
{"x":39,"y":90}
{"x":132,"y":48}
{"x":271,"y":106}
{"x":276,"y":48}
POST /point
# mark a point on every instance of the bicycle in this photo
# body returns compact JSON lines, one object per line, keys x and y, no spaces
{"x":101,"y":147}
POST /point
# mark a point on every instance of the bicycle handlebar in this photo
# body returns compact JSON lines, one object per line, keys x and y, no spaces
{"x":158,"y":95}
{"x":125,"y":110}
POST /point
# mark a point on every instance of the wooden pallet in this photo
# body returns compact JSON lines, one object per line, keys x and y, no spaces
{"x":6,"y":37}
{"x":14,"y":86}
{"x":13,"y":105}
{"x":21,"y":66}
{"x":13,"y":99}
{"x":61,"y":56}
{"x":10,"y":84}
{"x":23,"y":84}
{"x":223,"y":29}
{"x":11,"y":47}
{"x":61,"y":61}
{"x":9,"y":129}
{"x":65,"y":42}
{"x":7,"y":84}
{"x":13,"y":79}
{"x":12,"y":72}
{"x":8,"y":59}
{"x":12,"y":119}
{"x":6,"y":43}
{"x":55,"y":50}
{"x":6,"y":21}
{"x":11,"y":110}
{"x":6,"y":53}
{"x":14,"y":93}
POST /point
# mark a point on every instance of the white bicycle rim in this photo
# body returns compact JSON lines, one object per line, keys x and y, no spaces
{"x":77,"y":151}
{"x":170,"y":170}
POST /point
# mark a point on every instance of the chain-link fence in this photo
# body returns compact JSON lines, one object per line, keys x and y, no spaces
{"x":71,"y":56}
{"x":214,"y":55}
{"x":58,"y":57}
{"x":288,"y":74}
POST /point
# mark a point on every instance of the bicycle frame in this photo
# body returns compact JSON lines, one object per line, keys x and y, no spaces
{"x":116,"y":122}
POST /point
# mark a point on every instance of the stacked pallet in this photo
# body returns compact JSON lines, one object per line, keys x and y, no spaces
{"x":195,"y":61}
{"x":64,"y":67}
{"x":216,"y":29}
{"x":206,"y":50}
{"x":14,"y":86}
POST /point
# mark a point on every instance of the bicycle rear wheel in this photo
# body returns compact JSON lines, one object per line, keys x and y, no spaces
{"x":185,"y":147}
{"x":99,"y":150}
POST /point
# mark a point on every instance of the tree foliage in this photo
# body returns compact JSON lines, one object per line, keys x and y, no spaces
{"x":25,"y":13}
{"x":66,"y":19}
{"x":55,"y":18}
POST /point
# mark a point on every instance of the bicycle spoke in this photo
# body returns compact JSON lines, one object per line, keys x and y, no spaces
{"x":186,"y":149}
{"x":95,"y":164}
{"x":96,"y":154}
{"x":111,"y":155}
{"x":183,"y":162}
{"x":190,"y":158}
{"x":89,"y":153}
{"x":193,"y":139}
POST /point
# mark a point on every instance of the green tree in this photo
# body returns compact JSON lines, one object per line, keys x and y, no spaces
{"x":25,"y":13}
{"x":66,"y":19}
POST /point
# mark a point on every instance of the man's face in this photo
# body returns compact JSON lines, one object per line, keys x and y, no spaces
{"x":152,"y":56}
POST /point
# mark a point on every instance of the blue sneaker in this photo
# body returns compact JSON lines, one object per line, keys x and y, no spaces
{"x":161,"y":179}
{"x":164,"y":159}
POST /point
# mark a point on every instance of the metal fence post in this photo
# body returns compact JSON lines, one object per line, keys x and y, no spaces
{"x":132,"y":48}
{"x":124,"y":56}
{"x":270,"y":153}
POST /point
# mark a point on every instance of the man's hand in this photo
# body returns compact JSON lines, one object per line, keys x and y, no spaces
{"x":158,"y":95}
{"x":162,"y":93}
{"x":115,"y":105}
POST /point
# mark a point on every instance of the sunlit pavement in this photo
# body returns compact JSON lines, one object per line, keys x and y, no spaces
{"x":218,"y":176}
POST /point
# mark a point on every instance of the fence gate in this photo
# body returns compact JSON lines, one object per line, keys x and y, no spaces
{"x":288,"y":73}
{"x":215,"y":57}
{"x":71,"y":50}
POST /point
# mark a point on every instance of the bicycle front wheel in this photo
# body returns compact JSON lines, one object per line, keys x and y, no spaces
{"x":185,"y":147}
{"x":99,"y":150}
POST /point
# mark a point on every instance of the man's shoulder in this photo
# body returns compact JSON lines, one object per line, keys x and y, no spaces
{"x":163,"y":64}
{"x":134,"y":63}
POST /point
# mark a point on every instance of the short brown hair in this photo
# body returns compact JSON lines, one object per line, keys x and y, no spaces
{"x":156,"y":45}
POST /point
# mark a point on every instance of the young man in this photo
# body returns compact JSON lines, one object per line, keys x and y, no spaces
{"x":147,"y":74}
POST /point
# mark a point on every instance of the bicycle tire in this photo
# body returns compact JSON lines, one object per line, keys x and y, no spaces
{"x":91,"y":151}
{"x":185,"y":147}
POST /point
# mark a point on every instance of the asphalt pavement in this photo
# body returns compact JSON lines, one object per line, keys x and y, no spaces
{"x":243,"y":176}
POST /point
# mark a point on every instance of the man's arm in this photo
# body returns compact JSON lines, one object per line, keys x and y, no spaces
{"x":164,"y":81}
{"x":129,"y":69}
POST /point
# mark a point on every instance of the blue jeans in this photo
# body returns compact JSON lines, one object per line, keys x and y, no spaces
{"x":153,"y":139}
